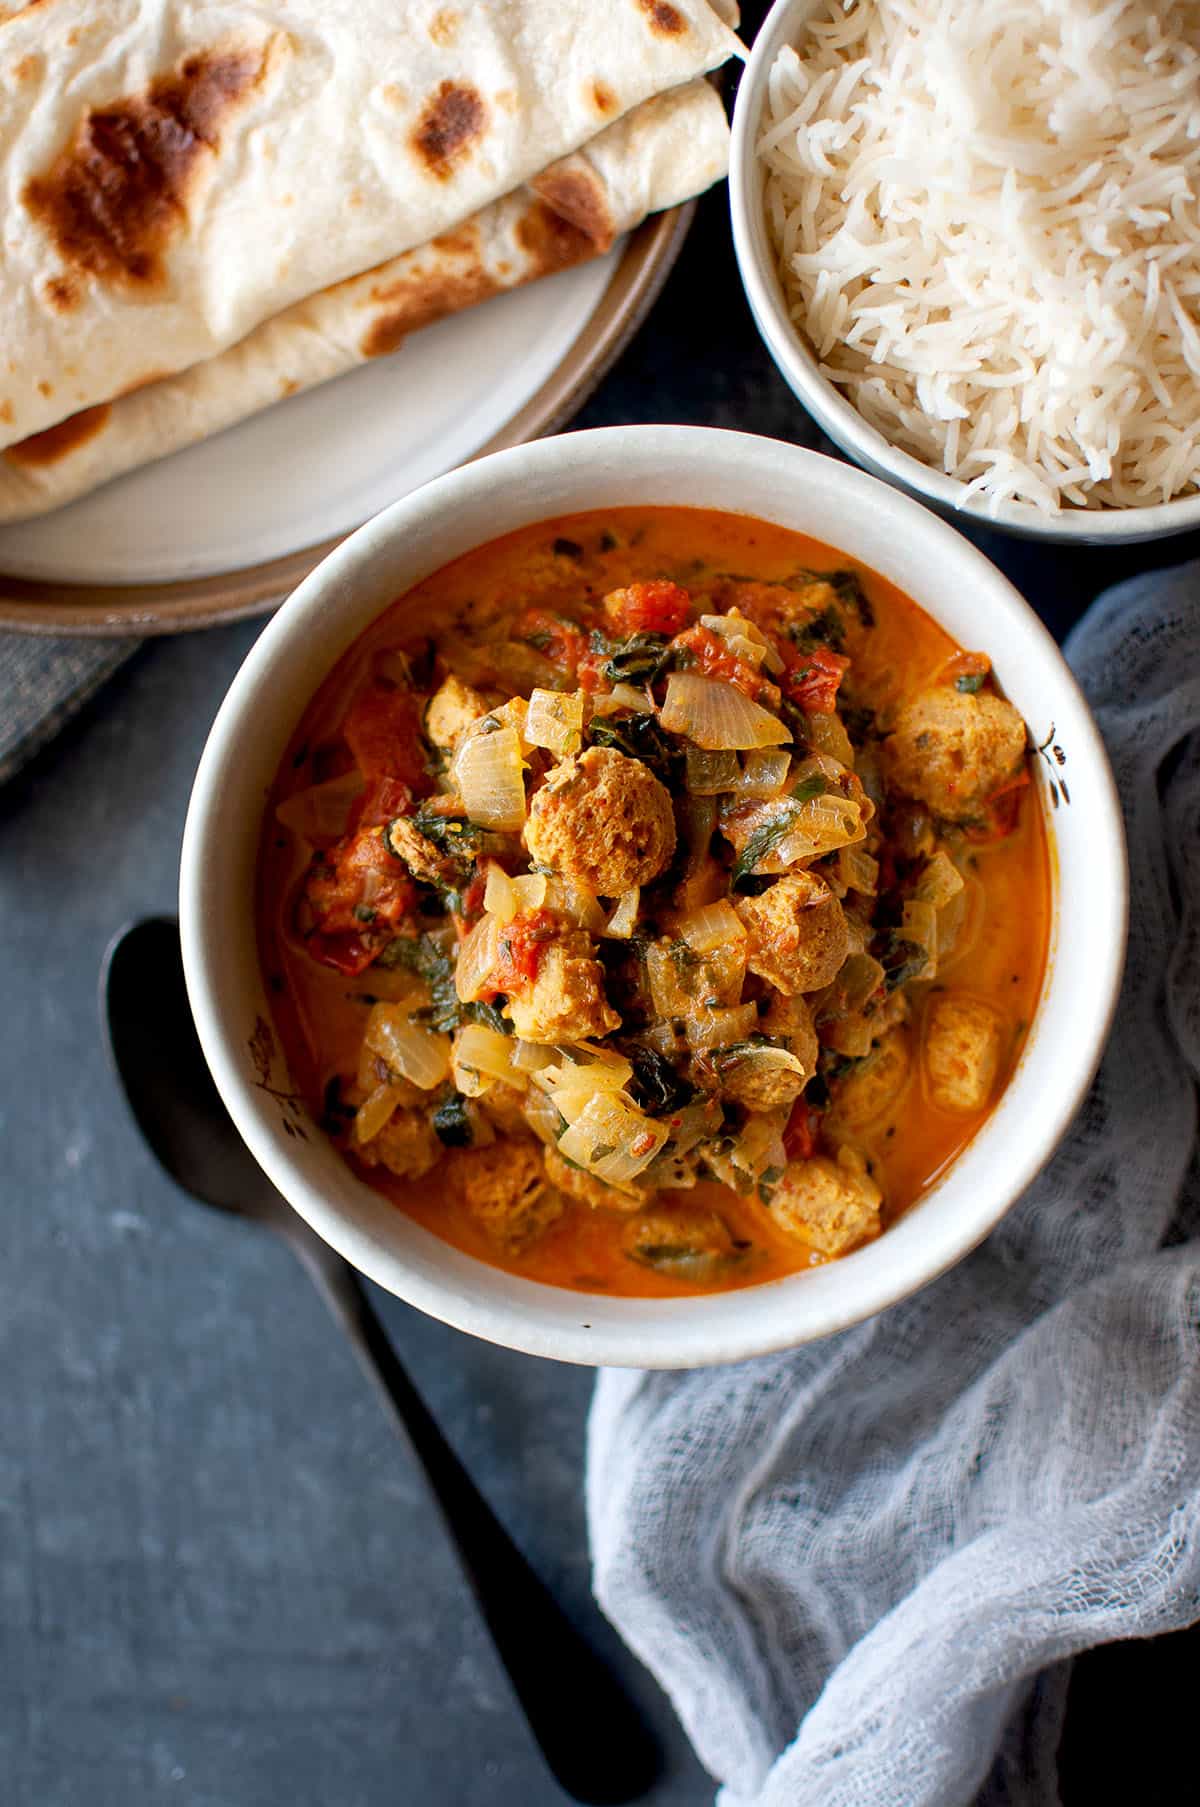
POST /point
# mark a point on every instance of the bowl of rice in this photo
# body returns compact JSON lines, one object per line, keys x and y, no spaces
{"x":970,"y":238}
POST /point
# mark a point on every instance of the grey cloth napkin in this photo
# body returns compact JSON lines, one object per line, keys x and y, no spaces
{"x":858,"y":1568}
{"x":43,"y":682}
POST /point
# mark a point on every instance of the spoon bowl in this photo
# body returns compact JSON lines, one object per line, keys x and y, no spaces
{"x":590,"y":1733}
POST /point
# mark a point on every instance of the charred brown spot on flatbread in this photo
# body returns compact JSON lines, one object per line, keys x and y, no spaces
{"x":45,"y":388}
{"x":6,"y":412}
{"x":579,"y":197}
{"x":550,"y":241}
{"x":443,"y":27}
{"x":60,"y":440}
{"x":26,"y":68}
{"x":663,"y":18}
{"x":452,"y":122}
{"x":603,"y":98}
{"x":117,"y":194}
{"x":420,"y":299}
{"x":463,"y":241}
{"x":61,"y":294}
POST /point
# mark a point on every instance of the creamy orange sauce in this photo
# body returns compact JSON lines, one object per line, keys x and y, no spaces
{"x":1000,"y":958}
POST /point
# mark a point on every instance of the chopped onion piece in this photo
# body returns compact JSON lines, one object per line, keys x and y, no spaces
{"x":662,"y":1038}
{"x":708,"y":774}
{"x":322,"y":811}
{"x":408,"y":1048}
{"x":541,"y":1116}
{"x":765,"y":1059}
{"x":713,"y":926}
{"x":919,"y":923}
{"x":612,"y":1139}
{"x":756,"y":1151}
{"x":621,"y":696}
{"x":531,"y":1057}
{"x":498,"y":895}
{"x":480,"y":1057}
{"x":716,"y":716}
{"x":491,"y":777}
{"x":940,"y":881}
{"x":666,"y":992}
{"x":623,"y":921}
{"x":822,"y":825}
{"x":821,"y":765}
{"x":476,"y":958}
{"x":376,"y":1113}
{"x":827,"y":734}
{"x":566,"y":897}
{"x":860,"y":978}
{"x":555,"y":721}
{"x":763,"y":773}
{"x":529,"y":892}
{"x":717,"y":1028}
{"x":693,"y":1124}
{"x":858,"y":871}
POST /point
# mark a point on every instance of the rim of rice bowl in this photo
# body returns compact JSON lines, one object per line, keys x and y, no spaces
{"x":825,"y":402}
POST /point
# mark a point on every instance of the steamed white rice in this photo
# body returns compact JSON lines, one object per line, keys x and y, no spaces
{"x":986,"y":218}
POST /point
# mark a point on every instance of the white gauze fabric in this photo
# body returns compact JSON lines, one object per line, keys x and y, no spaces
{"x":858,"y":1568}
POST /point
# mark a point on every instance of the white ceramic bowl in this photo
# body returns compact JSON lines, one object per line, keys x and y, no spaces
{"x":826,"y":403}
{"x":697,"y":467}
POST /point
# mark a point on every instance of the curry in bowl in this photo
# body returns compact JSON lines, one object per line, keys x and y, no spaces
{"x":651,"y":902}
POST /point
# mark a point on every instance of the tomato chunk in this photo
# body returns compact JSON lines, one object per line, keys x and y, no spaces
{"x":800,"y":1135}
{"x":356,"y":895}
{"x":386,"y":798}
{"x":658,"y":607}
{"x":708,"y":654}
{"x":383,"y":731}
{"x":556,"y":639}
{"x":520,"y":949}
{"x":812,"y":681}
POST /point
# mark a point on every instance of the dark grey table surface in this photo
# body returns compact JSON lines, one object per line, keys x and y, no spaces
{"x":219,"y":1582}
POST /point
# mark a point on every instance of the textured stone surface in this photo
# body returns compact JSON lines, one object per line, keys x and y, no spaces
{"x":219,"y":1581}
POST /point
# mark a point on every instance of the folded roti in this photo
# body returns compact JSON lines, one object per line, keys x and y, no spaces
{"x":666,"y":150}
{"x":175,"y":172}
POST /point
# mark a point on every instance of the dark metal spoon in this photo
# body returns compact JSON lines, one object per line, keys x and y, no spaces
{"x":590,"y":1734}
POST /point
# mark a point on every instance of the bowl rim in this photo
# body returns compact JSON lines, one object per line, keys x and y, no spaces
{"x":822,"y":399}
{"x":673,"y":1333}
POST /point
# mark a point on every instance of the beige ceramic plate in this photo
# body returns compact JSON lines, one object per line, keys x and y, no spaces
{"x":228,"y":528}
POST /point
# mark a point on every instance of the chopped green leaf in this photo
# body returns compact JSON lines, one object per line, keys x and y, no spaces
{"x":640,"y":737}
{"x":656,"y":1086}
{"x":451,"y":1124}
{"x":823,"y":629}
{"x":971,"y":682}
{"x":641,"y":659}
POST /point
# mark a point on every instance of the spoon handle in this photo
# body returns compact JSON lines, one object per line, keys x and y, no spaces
{"x":589,"y":1731}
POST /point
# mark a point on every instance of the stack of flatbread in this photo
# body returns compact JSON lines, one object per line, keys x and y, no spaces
{"x":206,"y":208}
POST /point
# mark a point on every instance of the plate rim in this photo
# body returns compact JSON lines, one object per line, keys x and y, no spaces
{"x":139,"y":611}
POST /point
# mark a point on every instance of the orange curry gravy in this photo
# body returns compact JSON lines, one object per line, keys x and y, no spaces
{"x":999,"y":958}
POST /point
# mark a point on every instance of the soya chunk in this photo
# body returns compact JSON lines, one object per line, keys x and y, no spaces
{"x":951,"y":750}
{"x":962,"y":1052}
{"x":566,"y":1001}
{"x":874,"y":1083}
{"x":451,"y":711}
{"x":797,"y":933}
{"x":406,"y":1145}
{"x":603,"y":819}
{"x":504,"y":1189}
{"x":832,"y":1205}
